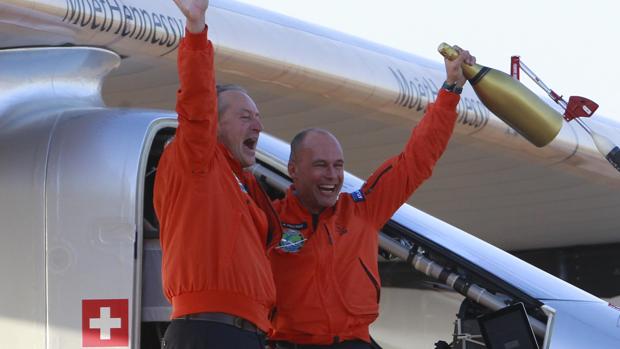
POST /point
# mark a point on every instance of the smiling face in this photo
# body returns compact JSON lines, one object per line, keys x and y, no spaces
{"x":317,"y":170}
{"x":239,"y":125}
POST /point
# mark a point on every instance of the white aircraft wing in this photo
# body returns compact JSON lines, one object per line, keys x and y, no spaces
{"x":491,"y":182}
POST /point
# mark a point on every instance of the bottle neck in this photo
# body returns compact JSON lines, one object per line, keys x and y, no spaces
{"x":474,"y":72}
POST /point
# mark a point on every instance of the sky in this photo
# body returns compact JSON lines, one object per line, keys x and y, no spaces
{"x":572,"y":45}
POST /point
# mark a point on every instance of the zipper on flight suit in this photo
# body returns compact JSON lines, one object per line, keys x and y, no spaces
{"x":320,"y":260}
{"x":315,"y":221}
{"x":377,"y":180}
{"x":372,"y":279}
{"x":329,"y":235}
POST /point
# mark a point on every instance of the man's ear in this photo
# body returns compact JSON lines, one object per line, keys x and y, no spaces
{"x":292,"y":169}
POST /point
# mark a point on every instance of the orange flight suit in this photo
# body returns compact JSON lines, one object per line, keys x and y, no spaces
{"x":328,"y":291}
{"x":214,"y":235}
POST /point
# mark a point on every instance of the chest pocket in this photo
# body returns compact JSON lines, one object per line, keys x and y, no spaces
{"x":359,"y":288}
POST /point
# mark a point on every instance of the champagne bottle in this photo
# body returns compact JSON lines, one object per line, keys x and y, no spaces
{"x":511,"y":101}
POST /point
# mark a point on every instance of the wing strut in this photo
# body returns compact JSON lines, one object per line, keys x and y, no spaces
{"x":577,"y":107}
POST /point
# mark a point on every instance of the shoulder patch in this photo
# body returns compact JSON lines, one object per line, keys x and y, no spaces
{"x":358,"y":196}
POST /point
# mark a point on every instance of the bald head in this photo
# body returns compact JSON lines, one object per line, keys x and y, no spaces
{"x":298,"y":142}
{"x":316,"y":166}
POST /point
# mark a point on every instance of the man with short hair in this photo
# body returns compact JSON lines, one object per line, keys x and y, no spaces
{"x":216,"y":222}
{"x":325,"y":266}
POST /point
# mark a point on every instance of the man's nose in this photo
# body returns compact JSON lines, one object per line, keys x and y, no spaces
{"x":257,"y":125}
{"x":330,"y":172}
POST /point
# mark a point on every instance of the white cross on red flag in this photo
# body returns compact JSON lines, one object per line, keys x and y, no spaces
{"x":105,"y":323}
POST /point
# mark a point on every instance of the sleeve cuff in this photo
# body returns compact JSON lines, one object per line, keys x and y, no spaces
{"x":447,"y":100}
{"x":196,"y":41}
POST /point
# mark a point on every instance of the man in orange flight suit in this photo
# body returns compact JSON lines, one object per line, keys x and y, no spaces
{"x":215,"y":220}
{"x":325,"y":266}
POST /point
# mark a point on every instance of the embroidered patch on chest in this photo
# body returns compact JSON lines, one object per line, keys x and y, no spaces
{"x":292,"y":241}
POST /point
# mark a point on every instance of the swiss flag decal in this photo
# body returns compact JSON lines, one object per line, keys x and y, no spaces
{"x":105,"y":323}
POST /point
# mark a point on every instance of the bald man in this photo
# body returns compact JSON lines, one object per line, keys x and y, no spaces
{"x":325,"y":266}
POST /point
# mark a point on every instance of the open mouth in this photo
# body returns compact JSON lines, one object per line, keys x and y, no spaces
{"x":250,"y":143}
{"x":328,"y":189}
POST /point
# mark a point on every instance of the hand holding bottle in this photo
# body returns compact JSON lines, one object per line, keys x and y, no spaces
{"x":454,"y":70}
{"x":507,"y":98}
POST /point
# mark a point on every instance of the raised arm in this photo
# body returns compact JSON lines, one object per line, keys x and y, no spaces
{"x":393,"y":183}
{"x":196,"y":107}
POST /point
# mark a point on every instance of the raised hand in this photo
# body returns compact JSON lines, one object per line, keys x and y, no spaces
{"x":454,"y":72}
{"x":194,"y":11}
